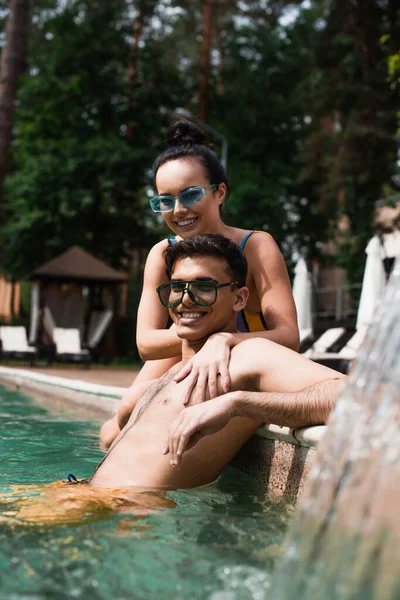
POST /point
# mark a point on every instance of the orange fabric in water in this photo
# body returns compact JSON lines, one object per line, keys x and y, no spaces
{"x":68,"y":503}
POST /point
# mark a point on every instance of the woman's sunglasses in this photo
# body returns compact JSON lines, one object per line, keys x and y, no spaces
{"x":202,"y":293}
{"x":188,"y":197}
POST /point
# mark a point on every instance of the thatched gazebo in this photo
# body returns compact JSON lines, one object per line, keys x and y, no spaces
{"x":76,"y":290}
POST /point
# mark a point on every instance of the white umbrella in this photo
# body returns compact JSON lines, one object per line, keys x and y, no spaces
{"x":391,"y":244}
{"x":373,"y":283}
{"x":302,"y":298}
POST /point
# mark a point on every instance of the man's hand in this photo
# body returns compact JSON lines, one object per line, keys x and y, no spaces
{"x":203,"y":370}
{"x":195,"y":422}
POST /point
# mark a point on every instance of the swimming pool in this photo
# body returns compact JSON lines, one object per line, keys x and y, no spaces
{"x":218,"y":542}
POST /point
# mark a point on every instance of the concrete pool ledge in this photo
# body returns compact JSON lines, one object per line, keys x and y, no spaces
{"x":280,"y":459}
{"x":277,"y":457}
{"x":305,"y":436}
{"x":102,"y":399}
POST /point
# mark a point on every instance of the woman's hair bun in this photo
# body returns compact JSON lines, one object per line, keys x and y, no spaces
{"x":184,"y":132}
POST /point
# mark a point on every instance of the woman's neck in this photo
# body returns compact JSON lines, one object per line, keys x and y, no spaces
{"x":221,"y":229}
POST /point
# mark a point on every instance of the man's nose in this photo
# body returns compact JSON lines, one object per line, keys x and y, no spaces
{"x":186,"y":299}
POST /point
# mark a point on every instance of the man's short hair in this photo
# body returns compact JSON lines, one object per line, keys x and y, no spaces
{"x":209,"y":245}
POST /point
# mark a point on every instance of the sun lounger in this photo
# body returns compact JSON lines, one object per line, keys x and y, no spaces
{"x":14,"y":344}
{"x":305,"y":334}
{"x":99,"y":321}
{"x":349,"y":350}
{"x":68,"y":345}
{"x":305,"y":339}
{"x":323,"y":343}
{"x":48,"y":324}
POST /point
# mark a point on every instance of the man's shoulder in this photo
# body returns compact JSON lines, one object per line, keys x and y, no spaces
{"x":247,"y":359}
{"x":252,"y":347}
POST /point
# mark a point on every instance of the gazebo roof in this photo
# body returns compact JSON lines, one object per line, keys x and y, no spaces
{"x":77,"y":265}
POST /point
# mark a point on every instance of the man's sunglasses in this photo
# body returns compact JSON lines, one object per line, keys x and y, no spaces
{"x":188,"y":197}
{"x":202,"y":293}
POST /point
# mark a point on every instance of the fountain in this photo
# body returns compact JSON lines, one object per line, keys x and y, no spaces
{"x":345,"y":539}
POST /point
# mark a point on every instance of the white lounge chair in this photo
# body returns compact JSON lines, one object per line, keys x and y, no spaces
{"x":349,"y":350}
{"x":48,"y":323}
{"x":14,"y":343}
{"x":68,"y":345}
{"x":323,"y":343}
{"x":99,"y":321}
{"x":305,"y":334}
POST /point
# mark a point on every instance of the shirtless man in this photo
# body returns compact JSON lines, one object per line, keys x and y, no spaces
{"x":206,"y":290}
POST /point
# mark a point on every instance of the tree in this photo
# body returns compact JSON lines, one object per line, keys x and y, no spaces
{"x":350,"y":150}
{"x":307,"y":110}
{"x":259,"y":106}
{"x":144,"y":11}
{"x":11,"y":67}
{"x":75,"y":179}
{"x":208,"y":18}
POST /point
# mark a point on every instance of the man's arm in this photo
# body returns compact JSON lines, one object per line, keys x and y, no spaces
{"x":310,"y":406}
{"x":307,"y":407}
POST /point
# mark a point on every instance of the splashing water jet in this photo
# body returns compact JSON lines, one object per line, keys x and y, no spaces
{"x":345,"y":539}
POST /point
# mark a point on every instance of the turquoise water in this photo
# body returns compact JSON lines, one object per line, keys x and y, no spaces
{"x":219,"y":542}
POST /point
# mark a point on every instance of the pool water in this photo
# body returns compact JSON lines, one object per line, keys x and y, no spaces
{"x":219,"y":542}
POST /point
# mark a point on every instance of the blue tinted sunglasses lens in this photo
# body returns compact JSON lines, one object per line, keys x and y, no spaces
{"x":166,"y":203}
{"x":191,"y":196}
{"x":162,"y":203}
{"x":155,"y":204}
{"x":187,"y":198}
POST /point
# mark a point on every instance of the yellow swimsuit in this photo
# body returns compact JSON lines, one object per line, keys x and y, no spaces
{"x":248,"y":321}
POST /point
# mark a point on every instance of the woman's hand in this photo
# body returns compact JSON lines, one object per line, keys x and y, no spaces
{"x":206,"y":366}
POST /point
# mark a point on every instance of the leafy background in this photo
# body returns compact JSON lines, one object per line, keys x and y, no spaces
{"x":306,"y":93}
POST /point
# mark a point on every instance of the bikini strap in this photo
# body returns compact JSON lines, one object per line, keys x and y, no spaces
{"x":244,"y":240}
{"x":246,"y":237}
{"x":171,"y":240}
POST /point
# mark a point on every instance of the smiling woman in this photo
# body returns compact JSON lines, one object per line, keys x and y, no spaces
{"x":192,"y":187}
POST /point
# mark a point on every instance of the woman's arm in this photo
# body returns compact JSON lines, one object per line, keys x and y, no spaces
{"x":153,"y":340}
{"x":268,"y":268}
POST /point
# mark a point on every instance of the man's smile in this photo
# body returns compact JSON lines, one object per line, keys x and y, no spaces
{"x":186,"y":316}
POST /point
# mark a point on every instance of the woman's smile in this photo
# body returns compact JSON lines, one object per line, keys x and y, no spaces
{"x":186,"y":222}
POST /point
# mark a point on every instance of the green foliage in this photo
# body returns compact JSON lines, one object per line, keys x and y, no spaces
{"x":309,"y":112}
{"x":262,"y":113}
{"x":77,"y":178}
{"x":350,"y":150}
